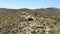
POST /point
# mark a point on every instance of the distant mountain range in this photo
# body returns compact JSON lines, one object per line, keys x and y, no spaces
{"x":41,"y":11}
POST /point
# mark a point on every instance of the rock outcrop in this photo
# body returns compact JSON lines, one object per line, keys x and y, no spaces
{"x":25,"y":23}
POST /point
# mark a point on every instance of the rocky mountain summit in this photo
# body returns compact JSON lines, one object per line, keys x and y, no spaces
{"x":26,"y":23}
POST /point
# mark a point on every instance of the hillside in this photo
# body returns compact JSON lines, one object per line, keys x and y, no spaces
{"x":30,"y":21}
{"x":42,"y":11}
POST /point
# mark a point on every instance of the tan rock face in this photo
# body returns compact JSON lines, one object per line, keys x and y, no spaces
{"x":27,"y":24}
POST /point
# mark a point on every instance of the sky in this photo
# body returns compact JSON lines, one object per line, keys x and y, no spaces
{"x":33,"y":4}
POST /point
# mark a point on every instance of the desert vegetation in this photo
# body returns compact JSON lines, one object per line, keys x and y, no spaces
{"x":30,"y":21}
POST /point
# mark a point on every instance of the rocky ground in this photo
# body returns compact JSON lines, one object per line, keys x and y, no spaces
{"x":25,"y":23}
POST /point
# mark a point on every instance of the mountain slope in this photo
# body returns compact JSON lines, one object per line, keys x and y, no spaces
{"x":42,"y":11}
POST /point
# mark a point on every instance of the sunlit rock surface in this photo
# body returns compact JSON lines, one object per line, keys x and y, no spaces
{"x":25,"y":23}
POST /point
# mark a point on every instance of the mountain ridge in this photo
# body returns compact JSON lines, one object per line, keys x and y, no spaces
{"x":41,"y":11}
